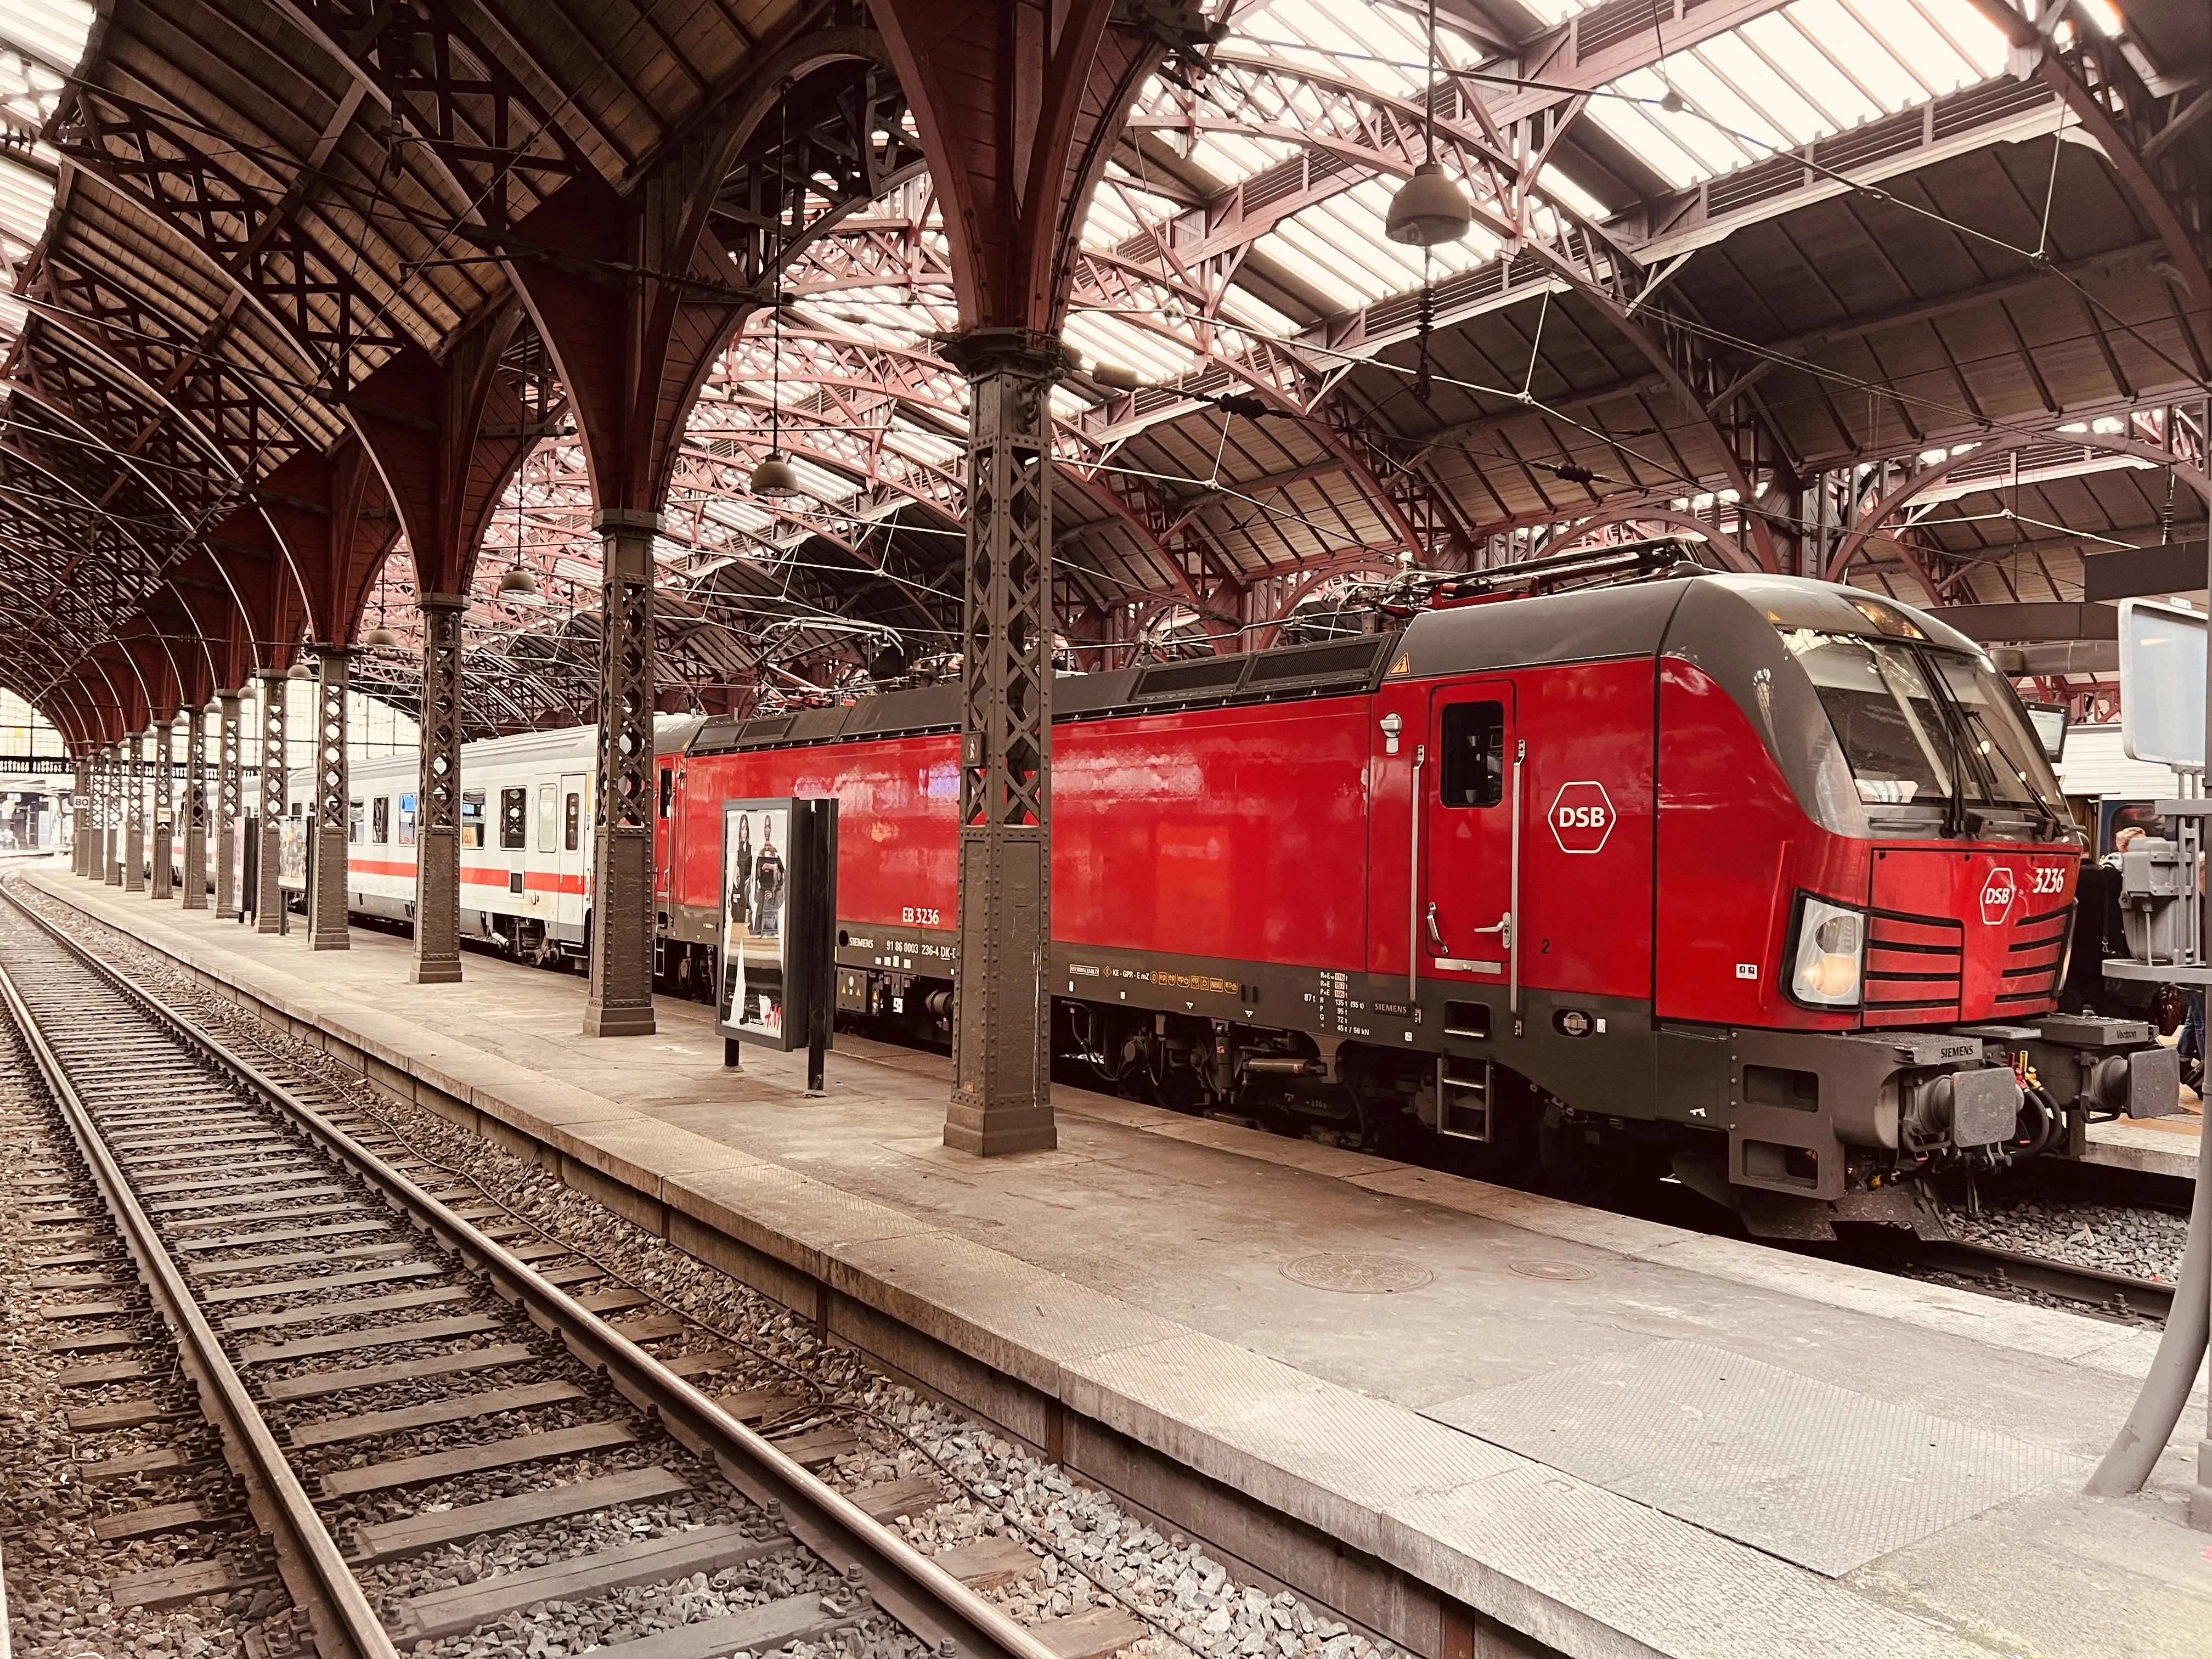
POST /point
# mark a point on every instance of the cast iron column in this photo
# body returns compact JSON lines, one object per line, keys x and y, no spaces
{"x":1001,"y":1055}
{"x":196,"y":811}
{"x":229,"y":736}
{"x":81,"y":818}
{"x":269,"y":897}
{"x":134,"y":818}
{"x":438,"y":800}
{"x":333,"y":805}
{"x":165,"y":808}
{"x":621,"y":1002}
{"x":111,"y":818}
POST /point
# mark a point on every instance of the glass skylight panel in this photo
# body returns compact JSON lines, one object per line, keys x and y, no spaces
{"x":1769,"y":96}
{"x":1552,"y":13}
{"x":1241,"y":305}
{"x":1112,"y":339}
{"x":1785,"y":79}
{"x":1829,"y":28}
{"x":1568,"y":194}
{"x":55,"y":30}
{"x":930,"y":448}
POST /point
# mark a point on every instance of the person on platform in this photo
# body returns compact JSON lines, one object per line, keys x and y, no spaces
{"x":768,"y":888}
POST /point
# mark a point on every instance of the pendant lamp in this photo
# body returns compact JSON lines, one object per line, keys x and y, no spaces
{"x":1429,"y":208}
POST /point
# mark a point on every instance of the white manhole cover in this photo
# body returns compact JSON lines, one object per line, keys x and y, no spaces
{"x":1338,"y":1270}
{"x":1550,"y":1270}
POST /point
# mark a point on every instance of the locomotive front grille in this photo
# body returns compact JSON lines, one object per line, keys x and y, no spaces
{"x":1914,"y":969}
{"x":2035,"y":957}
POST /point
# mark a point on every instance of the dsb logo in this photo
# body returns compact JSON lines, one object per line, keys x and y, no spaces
{"x":1582,"y":816}
{"x":1998,"y":893}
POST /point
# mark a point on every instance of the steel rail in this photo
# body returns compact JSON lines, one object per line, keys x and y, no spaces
{"x":314,"y":1569}
{"x":2093,"y":1287}
{"x":907,"y":1584}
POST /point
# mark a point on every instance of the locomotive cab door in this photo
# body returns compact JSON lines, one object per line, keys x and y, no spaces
{"x":1464,"y":920}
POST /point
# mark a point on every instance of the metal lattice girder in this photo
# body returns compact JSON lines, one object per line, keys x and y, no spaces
{"x":165,"y":797}
{"x":1001,"y":1060}
{"x":438,"y":823}
{"x":134,"y":817}
{"x":269,"y":900}
{"x":841,"y":136}
{"x":196,"y":816}
{"x":2141,"y":134}
{"x":621,"y":1000}
{"x":1358,"y":132}
{"x":178,"y":365}
{"x":448,"y":88}
{"x":327,"y":901}
{"x":246,"y":228}
{"x":229,"y":799}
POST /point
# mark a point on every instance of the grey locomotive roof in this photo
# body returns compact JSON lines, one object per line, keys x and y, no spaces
{"x":1588,"y":625}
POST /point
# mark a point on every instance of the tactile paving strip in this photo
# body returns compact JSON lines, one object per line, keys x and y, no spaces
{"x":1804,"y":1470}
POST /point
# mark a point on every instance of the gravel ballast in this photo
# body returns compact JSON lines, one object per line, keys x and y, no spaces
{"x":1089,"y":1551}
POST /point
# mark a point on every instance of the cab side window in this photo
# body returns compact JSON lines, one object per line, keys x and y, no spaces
{"x":1474,"y":773}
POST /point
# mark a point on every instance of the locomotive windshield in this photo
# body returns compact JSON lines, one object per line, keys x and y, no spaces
{"x":1929,"y":734}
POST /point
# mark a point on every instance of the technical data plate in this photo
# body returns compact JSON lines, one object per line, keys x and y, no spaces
{"x":1803,"y":1470}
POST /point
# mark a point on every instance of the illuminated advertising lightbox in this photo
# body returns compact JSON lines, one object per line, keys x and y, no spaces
{"x":778,"y":905}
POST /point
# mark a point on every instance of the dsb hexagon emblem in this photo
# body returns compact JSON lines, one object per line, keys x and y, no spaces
{"x":1582,"y":818}
{"x":1997,"y":895}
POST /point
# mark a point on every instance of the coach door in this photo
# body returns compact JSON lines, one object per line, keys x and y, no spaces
{"x":571,"y":846}
{"x":1470,"y":786}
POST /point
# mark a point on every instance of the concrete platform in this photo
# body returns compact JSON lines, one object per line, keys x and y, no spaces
{"x":1408,"y":1393}
{"x":2153,"y":1146}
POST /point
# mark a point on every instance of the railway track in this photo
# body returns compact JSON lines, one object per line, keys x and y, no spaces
{"x":386,"y":1370}
{"x":2115,"y":1296}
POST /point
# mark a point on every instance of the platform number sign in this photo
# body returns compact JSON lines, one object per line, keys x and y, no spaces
{"x":1582,"y":818}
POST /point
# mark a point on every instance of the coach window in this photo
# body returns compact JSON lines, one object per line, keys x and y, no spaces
{"x":407,"y":820}
{"x":472,"y":817}
{"x":547,"y":816}
{"x":357,"y":823}
{"x":514,"y":819}
{"x":380,"y":820}
{"x":1474,"y":754}
{"x":572,"y":817}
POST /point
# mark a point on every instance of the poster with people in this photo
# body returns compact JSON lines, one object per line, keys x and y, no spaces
{"x":756,"y":888}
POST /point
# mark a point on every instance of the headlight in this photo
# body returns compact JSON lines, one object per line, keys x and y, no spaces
{"x":1830,"y":949}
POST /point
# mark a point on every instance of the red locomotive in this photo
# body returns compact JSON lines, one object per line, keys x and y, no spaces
{"x":1763,"y":880}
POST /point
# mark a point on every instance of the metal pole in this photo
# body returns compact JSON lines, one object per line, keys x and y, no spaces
{"x":230,"y":738}
{"x":81,"y":817}
{"x":2165,"y":1395}
{"x":1001,"y":1049}
{"x":111,"y":815}
{"x":332,"y":804}
{"x":437,"y":801}
{"x":160,"y":851}
{"x":196,"y":811}
{"x":621,"y":909}
{"x":269,"y":898}
{"x":134,"y":818}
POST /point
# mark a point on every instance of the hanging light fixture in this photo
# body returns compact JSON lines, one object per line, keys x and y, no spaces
{"x":379,"y":637}
{"x":299,"y":671}
{"x":1429,"y":209}
{"x":775,"y":476}
{"x":518,"y":581}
